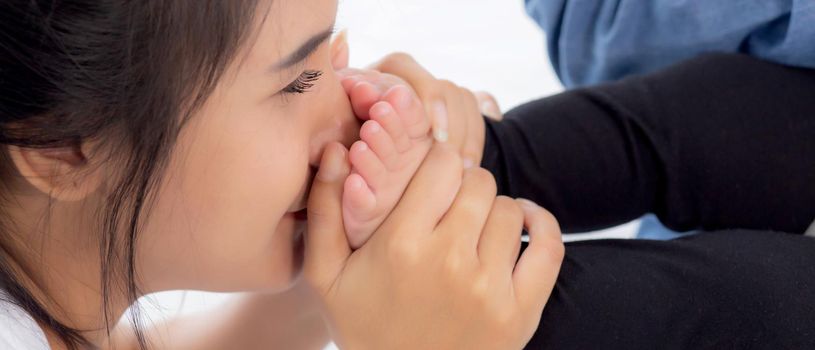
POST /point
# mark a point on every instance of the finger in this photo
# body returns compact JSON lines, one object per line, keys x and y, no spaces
{"x":472,"y":152}
{"x":430,"y":194}
{"x":466,"y":218}
{"x":472,"y":147}
{"x":340,"y":53}
{"x":498,"y":248}
{"x":437,"y":109}
{"x":489,"y":105}
{"x":326,"y":245}
{"x":537,"y":269}
{"x":430,"y":90}
{"x":439,"y":99}
{"x":457,"y":103}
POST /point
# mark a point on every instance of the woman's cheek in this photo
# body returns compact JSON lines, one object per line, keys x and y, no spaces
{"x":228,"y":187}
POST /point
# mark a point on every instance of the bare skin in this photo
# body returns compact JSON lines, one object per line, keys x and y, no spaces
{"x":393,"y":144}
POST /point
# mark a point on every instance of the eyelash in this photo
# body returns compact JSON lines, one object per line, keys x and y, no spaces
{"x":303,"y":83}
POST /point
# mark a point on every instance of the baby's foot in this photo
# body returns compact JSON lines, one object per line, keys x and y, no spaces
{"x":393,"y":144}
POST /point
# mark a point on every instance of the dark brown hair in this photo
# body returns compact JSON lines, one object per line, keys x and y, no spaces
{"x":125,"y":73}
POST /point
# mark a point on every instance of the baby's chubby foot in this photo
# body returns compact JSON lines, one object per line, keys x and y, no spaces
{"x":394,"y":142}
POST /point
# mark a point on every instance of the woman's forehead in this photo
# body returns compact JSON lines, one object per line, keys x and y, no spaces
{"x":284,"y":26}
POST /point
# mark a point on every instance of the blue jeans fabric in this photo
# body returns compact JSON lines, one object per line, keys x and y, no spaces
{"x":592,"y":41}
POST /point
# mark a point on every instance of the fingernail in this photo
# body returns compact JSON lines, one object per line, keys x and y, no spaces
{"x":342,"y":36}
{"x":440,"y":122}
{"x":340,"y":40}
{"x":486,"y":107}
{"x":527,"y":204}
{"x":339,"y":58}
{"x":440,"y":135}
{"x":468,"y":163}
{"x":333,"y":165}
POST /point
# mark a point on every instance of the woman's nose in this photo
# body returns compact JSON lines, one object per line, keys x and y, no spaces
{"x":339,"y":125}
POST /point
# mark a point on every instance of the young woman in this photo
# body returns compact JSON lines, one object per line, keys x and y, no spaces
{"x":157,"y":145}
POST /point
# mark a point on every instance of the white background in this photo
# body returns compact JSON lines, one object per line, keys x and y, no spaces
{"x":480,"y":44}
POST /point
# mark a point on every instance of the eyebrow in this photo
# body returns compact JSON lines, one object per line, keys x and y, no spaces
{"x":304,"y":50}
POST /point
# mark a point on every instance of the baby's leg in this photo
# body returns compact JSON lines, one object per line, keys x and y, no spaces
{"x":393,"y":144}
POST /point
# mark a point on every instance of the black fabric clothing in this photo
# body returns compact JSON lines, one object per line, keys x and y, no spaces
{"x":724,"y":290}
{"x":720,"y":143}
{"x":723,"y":141}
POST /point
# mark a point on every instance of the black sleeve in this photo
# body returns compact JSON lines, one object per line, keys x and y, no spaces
{"x":718,"y":142}
{"x":720,"y":290}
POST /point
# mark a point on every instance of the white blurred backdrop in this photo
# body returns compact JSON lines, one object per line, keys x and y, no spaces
{"x":486,"y":45}
{"x":480,"y":44}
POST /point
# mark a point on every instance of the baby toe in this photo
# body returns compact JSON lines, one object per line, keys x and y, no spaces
{"x":363,"y":95}
{"x":409,"y":110}
{"x":384,"y":114}
{"x":365,"y":162}
{"x":380,"y":143}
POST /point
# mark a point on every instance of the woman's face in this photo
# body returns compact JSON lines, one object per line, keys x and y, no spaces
{"x":224,"y":218}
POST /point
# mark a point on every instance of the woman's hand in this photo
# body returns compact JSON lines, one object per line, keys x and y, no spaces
{"x":455,"y":112}
{"x":440,"y":272}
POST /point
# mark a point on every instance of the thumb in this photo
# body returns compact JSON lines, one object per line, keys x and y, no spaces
{"x":537,"y":269}
{"x":326,"y":245}
{"x":340,"y":52}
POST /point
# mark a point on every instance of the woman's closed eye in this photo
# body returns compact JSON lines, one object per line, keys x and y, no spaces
{"x":303,"y":83}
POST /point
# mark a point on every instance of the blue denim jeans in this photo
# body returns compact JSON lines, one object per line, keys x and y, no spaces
{"x":651,"y":228}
